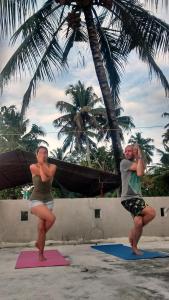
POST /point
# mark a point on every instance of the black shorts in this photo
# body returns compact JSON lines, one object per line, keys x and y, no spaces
{"x":134,"y":206}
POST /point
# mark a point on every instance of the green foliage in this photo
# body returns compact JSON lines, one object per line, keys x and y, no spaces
{"x":156,"y":185}
{"x":13,"y":131}
{"x":156,"y":181}
{"x":111,"y":28}
{"x":79,"y":120}
{"x":59,"y":193}
{"x":11,"y":193}
{"x":145,"y":144}
{"x":166,"y":133}
{"x":84,"y":121}
{"x":49,"y":33}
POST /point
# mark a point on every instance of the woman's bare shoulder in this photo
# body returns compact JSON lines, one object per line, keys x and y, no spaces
{"x":53,"y":166}
{"x":33,"y":167}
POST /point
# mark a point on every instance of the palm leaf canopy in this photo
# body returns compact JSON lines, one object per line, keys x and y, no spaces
{"x":47,"y":37}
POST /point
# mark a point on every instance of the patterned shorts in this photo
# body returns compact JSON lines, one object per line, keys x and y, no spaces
{"x":134,"y":206}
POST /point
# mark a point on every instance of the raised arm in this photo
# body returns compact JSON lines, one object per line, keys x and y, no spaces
{"x":139,"y":165}
{"x":47,"y":172}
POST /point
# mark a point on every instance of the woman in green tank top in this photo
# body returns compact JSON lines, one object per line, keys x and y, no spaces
{"x":41,"y":201}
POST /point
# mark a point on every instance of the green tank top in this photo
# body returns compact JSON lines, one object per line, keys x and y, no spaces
{"x":42,"y":190}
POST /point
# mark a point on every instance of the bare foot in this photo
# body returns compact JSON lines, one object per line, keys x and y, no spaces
{"x":42,"y":257}
{"x":137,"y":251}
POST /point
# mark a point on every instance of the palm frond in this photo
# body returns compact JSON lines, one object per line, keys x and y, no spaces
{"x":60,"y":121}
{"x":134,"y":38}
{"x":126,"y":123}
{"x":25,"y":56}
{"x":36,"y":53}
{"x":112,"y":58}
{"x":41,"y":25}
{"x":68,"y":142}
{"x":52,"y":55}
{"x":64,"y":106}
{"x":75,"y":92}
{"x":155,"y":68}
{"x":67,"y":129}
{"x":14,"y":12}
{"x":76,"y":35}
{"x":95,"y":101}
{"x":155,"y":3}
{"x":136,"y":20}
{"x":35,"y":131}
{"x":165,"y":114}
{"x":99,"y":111}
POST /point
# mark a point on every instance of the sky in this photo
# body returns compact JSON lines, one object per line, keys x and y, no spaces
{"x":142,"y":99}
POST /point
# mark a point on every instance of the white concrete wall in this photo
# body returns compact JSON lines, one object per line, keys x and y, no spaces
{"x":75,"y":219}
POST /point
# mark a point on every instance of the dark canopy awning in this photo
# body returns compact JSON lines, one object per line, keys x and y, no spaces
{"x":14,"y":171}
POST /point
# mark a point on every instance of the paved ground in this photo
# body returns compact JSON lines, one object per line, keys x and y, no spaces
{"x":91,"y":275}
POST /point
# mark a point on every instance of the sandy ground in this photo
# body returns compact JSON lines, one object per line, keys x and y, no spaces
{"x":91,"y":275}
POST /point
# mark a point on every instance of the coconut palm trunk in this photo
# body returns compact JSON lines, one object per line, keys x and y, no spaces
{"x":104,"y":85}
{"x":88,"y":152}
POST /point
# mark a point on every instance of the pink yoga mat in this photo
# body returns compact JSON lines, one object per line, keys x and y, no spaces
{"x":29,"y":259}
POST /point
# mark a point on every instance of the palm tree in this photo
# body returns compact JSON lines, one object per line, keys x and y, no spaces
{"x":112,"y":33}
{"x":164,"y":157}
{"x":31,"y":140}
{"x":15,"y":12}
{"x":80,"y":119}
{"x":58,"y":154}
{"x":145,"y":144}
{"x":102,"y":159}
{"x":83,"y":114}
{"x":166,"y":134}
{"x":155,"y":3}
{"x":13,"y":131}
{"x":125,"y":124}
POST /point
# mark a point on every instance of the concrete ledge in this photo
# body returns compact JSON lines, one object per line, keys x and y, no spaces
{"x":78,"y":220}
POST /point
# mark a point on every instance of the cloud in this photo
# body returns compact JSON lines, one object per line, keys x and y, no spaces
{"x":54,"y":143}
{"x":49,"y":93}
{"x":140,"y":98}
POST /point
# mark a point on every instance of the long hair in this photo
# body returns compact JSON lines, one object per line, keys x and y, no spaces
{"x":41,"y":147}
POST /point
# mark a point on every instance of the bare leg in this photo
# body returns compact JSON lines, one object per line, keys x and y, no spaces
{"x":46,"y":220}
{"x":136,"y":233}
{"x":148,"y":214}
{"x":40,"y":244}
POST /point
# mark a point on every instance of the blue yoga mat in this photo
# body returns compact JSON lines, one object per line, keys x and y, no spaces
{"x":126,"y":253}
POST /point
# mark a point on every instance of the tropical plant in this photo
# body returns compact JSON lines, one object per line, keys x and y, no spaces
{"x":13,"y":131}
{"x":58,"y":154}
{"x":166,"y":134}
{"x":164,"y":159}
{"x":15,"y":12}
{"x":156,"y":184}
{"x":102,"y":159}
{"x":79,"y":120}
{"x":156,"y":180}
{"x":155,"y":3}
{"x":112,"y":28}
{"x":125,"y":124}
{"x":145,"y":144}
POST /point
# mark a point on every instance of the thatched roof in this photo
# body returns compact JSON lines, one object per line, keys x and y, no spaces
{"x":14,"y":171}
